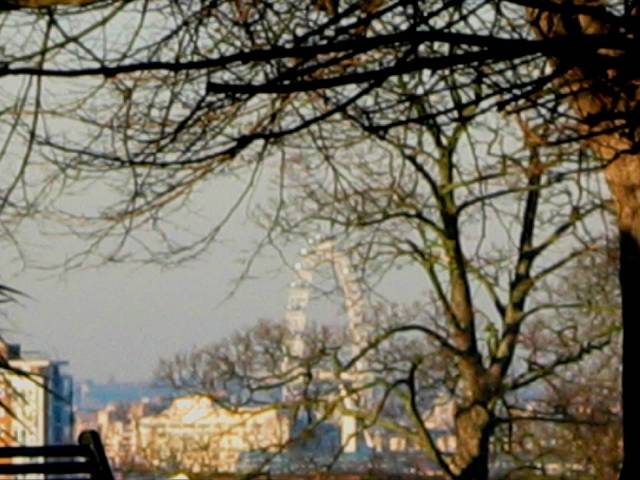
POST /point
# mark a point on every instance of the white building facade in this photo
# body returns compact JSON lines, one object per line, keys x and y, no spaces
{"x":39,"y":396}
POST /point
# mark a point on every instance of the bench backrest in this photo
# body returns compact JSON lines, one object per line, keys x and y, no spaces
{"x":86,"y":459}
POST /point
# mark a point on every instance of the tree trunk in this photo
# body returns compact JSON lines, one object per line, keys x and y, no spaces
{"x":623,"y":177}
{"x":472,"y":436}
{"x":629,"y":281}
{"x":593,"y":98}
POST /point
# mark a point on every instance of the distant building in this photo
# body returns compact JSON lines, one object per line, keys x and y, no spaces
{"x":118,"y":425}
{"x":91,"y":395}
{"x":198,"y":435}
{"x":37,"y":399}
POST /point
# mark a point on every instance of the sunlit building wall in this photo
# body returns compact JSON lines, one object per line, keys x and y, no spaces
{"x":38,"y":399}
{"x":198,"y":435}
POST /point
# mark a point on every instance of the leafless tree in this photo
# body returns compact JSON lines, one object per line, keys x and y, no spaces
{"x":491,"y":218}
{"x":574,"y":417}
{"x":558,"y":413}
{"x":192,"y":90}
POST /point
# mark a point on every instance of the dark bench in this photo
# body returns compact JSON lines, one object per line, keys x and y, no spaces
{"x":84,"y":460}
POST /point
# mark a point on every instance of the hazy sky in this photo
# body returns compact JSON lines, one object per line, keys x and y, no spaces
{"x":118,"y":320}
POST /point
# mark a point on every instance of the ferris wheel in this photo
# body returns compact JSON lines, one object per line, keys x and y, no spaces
{"x":320,"y":253}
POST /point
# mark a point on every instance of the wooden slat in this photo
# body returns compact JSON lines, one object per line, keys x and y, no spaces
{"x":87,"y":458}
{"x":52,"y":468}
{"x":49,"y":451}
